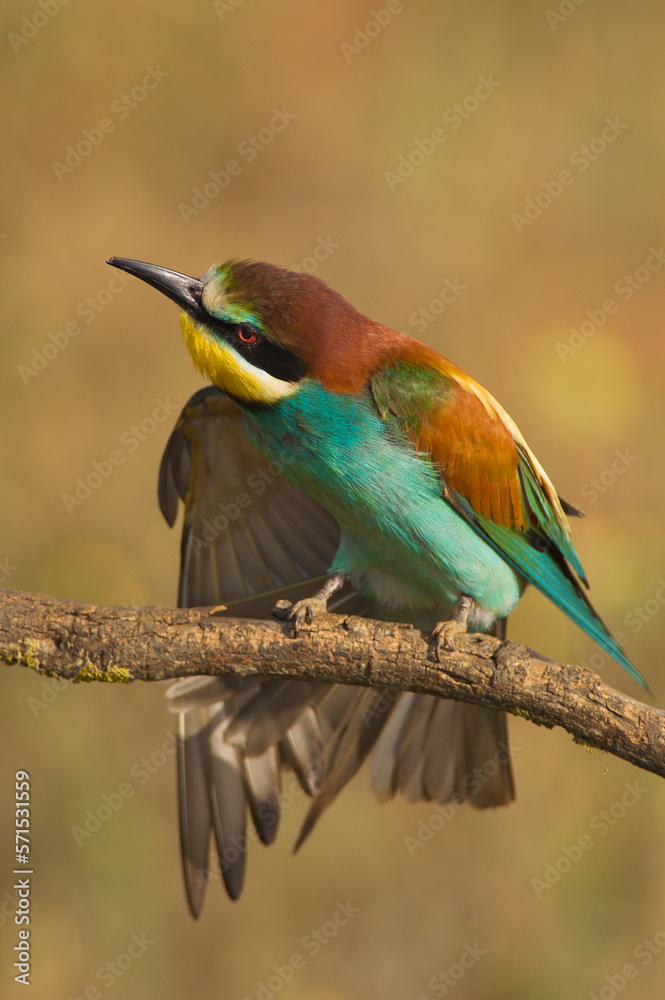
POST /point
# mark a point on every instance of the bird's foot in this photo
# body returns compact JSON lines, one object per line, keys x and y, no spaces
{"x":304,"y":611}
{"x":444,"y":634}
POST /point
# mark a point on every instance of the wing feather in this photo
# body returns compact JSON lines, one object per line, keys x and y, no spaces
{"x":490,"y":476}
{"x":194,"y":805}
{"x":262,"y":786}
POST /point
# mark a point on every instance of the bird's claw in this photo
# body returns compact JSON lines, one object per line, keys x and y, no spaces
{"x":303,"y":612}
{"x":444,"y":635}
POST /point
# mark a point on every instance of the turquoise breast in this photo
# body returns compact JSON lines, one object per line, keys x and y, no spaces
{"x":401,"y":541}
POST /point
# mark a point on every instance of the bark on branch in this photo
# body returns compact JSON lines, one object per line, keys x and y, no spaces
{"x":85,"y":642}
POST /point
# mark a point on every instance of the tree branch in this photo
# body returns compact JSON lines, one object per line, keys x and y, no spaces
{"x":87,"y":642}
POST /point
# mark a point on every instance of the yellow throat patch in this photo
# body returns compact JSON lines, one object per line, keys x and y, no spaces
{"x":230,"y":372}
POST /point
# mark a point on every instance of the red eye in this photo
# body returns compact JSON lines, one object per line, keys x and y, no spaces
{"x":246,"y":335}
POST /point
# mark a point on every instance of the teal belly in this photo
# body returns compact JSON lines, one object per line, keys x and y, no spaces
{"x":401,"y":542}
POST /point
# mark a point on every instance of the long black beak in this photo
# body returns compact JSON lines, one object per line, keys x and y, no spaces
{"x":180,"y":288}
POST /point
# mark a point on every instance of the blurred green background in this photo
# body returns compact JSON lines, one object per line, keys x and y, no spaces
{"x":365,"y":86}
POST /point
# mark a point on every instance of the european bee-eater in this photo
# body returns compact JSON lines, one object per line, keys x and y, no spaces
{"x":403,"y":478}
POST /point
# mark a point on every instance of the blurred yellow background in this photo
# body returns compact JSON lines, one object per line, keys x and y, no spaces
{"x":511,"y":151}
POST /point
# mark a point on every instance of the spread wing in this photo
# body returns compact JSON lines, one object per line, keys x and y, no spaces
{"x":246,"y":529}
{"x":249,"y":537}
{"x":490,"y":476}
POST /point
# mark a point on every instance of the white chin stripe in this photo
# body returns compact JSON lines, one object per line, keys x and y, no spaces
{"x":257,"y":384}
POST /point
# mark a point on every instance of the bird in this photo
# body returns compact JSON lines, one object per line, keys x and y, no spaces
{"x":400,"y":488}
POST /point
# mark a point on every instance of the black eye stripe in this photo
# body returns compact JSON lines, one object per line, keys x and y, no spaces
{"x":262,"y":353}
